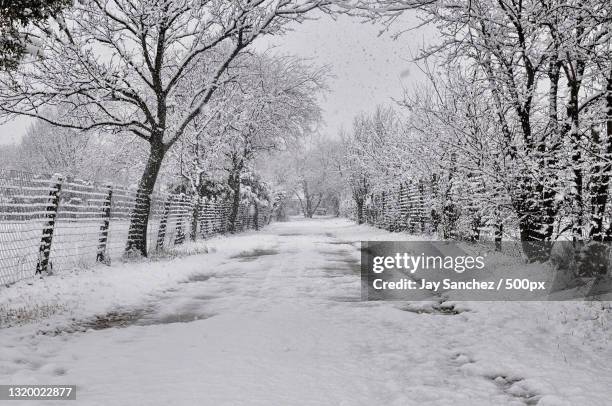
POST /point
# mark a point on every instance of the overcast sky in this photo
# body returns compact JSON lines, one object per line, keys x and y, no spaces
{"x":368,"y":68}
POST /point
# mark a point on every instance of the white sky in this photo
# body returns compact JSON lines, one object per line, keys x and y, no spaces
{"x":368,"y":68}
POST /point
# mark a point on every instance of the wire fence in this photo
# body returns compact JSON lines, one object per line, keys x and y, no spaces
{"x":416,"y":208}
{"x":48,"y":223}
{"x":401,"y":208}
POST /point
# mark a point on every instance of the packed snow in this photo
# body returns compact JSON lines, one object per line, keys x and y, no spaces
{"x":275,"y":318}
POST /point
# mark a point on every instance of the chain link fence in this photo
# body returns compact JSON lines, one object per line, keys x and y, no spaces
{"x":48,"y":223}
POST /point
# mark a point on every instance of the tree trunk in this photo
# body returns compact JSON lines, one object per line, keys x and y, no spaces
{"x":602,"y":180}
{"x":308,"y":213}
{"x":336,"y":205}
{"x":499,"y":231}
{"x":359,"y":203}
{"x":476,"y":222}
{"x":536,"y":245}
{"x":315,"y":207}
{"x":137,"y":234}
{"x":195,"y":218}
{"x":535,"y":208}
{"x":307,"y":209}
{"x":577,"y":163}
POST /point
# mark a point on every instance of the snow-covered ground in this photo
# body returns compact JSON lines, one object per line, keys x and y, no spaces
{"x":274,"y":318}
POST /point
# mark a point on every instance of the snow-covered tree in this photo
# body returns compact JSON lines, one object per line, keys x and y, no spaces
{"x":148,"y":67}
{"x":541,"y":65}
{"x":269,"y":104}
{"x":9,"y":158}
{"x":45,"y":148}
{"x":517,"y":112}
{"x":15,"y":16}
{"x":309,"y":171}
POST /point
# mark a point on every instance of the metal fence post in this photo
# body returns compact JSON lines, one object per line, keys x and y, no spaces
{"x":104,"y":227}
{"x":47,"y":233}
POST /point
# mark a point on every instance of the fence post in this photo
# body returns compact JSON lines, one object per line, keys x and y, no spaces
{"x":406,"y":207}
{"x":213,"y":216}
{"x":207,"y":218}
{"x":180,"y":232}
{"x":224,"y":217}
{"x":256,"y":216}
{"x":104,"y":228}
{"x":202,"y":217}
{"x":47,"y":234}
{"x":163,"y":225}
{"x":413,"y":207}
{"x":422,"y":204}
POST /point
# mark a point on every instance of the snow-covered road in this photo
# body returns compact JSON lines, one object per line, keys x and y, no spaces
{"x":276,"y":320}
